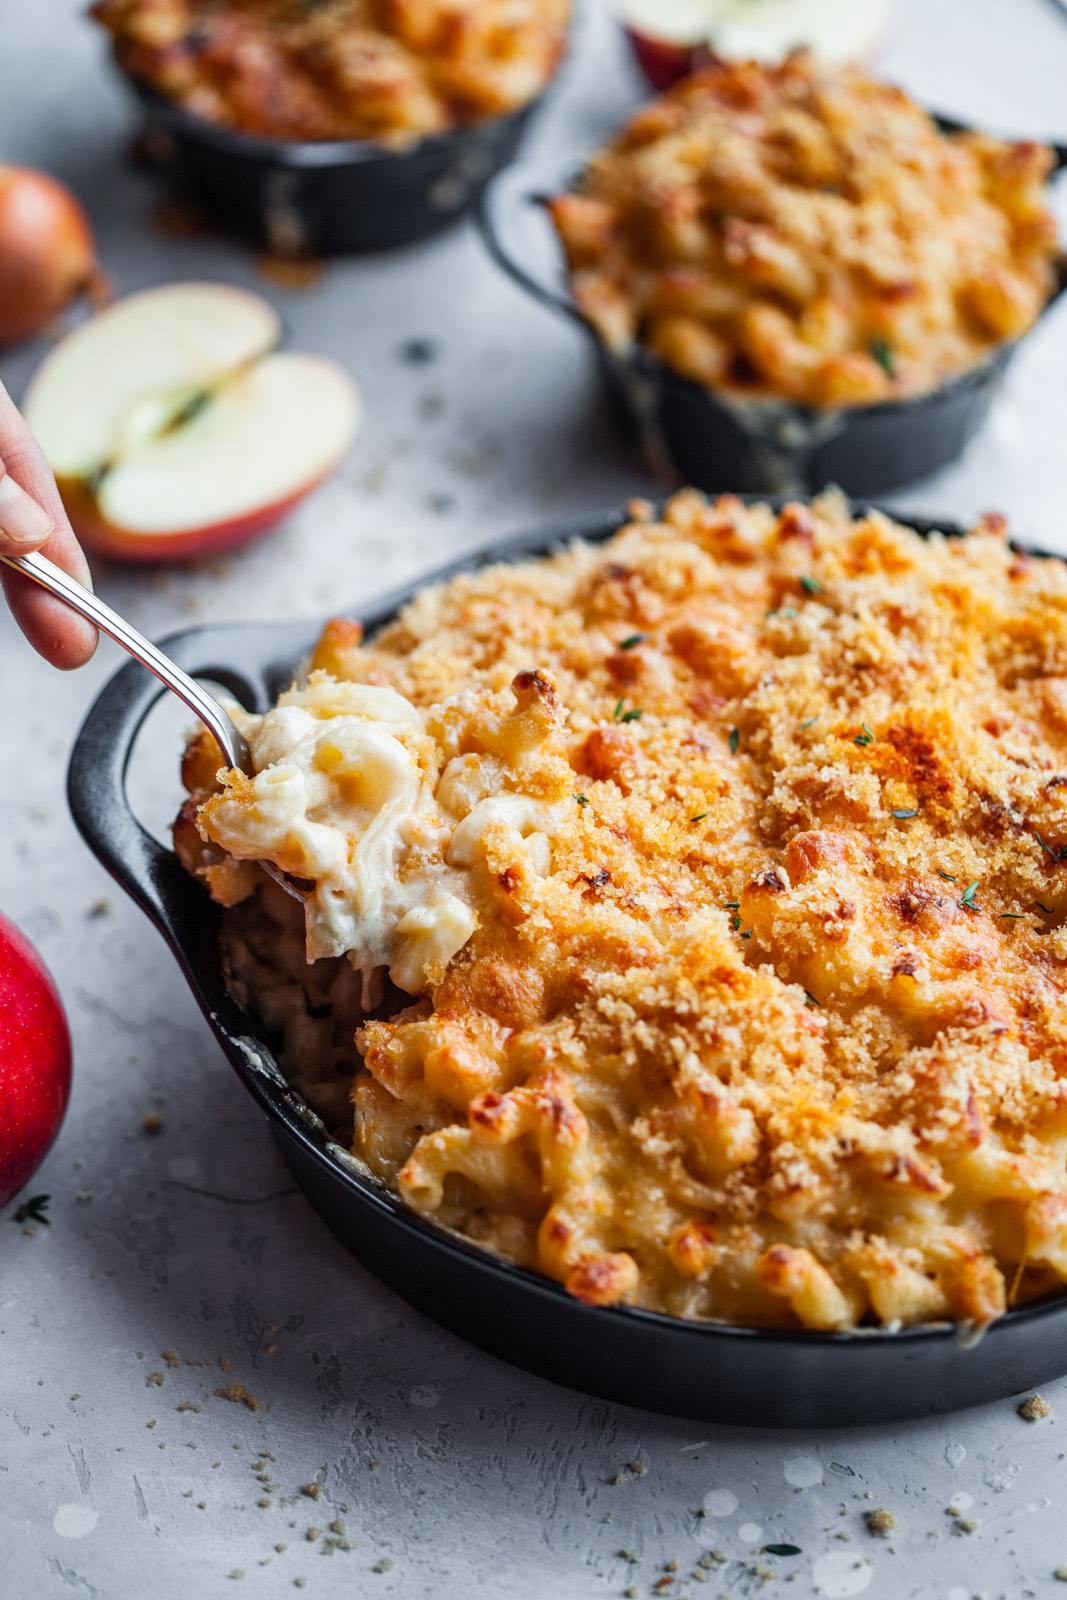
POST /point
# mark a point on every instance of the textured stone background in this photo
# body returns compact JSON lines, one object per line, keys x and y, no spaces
{"x":451,"y":1474}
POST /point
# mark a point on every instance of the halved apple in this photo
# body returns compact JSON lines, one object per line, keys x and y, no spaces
{"x":174,"y":427}
{"x":671,"y":38}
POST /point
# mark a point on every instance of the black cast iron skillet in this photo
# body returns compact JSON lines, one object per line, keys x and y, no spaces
{"x":693,"y":434}
{"x":335,"y":197}
{"x":763,"y":1377}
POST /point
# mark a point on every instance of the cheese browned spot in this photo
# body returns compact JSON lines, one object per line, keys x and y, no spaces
{"x":769,"y":1028}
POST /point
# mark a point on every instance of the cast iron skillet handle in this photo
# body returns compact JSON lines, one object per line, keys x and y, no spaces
{"x":96,"y":794}
{"x":513,"y":223}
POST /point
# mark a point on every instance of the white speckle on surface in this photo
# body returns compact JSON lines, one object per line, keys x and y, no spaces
{"x":803,"y":1472}
{"x":1000,"y":1478}
{"x":425,"y":1395}
{"x":750,"y":1533}
{"x":73,"y":1521}
{"x":955,"y":1453}
{"x":962,"y":1500}
{"x":720,"y":1503}
{"x":839,"y":1574}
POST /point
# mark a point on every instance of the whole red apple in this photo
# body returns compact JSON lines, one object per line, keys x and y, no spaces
{"x":34,"y":1060}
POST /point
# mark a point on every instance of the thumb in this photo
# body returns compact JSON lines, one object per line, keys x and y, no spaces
{"x":24,"y":525}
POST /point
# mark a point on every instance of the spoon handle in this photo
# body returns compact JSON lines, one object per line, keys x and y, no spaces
{"x":227,"y":735}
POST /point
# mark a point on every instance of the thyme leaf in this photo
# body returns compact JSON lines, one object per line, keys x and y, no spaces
{"x":735,"y":740}
{"x":582,"y":799}
{"x":967,"y":898}
{"x":632,"y":716}
{"x":864,"y":738}
{"x":633,"y":641}
{"x":1048,"y":910}
{"x":782,"y":1550}
{"x":810,"y":585}
{"x":903,"y":813}
{"x":811,"y":1002}
{"x":700,"y":816}
{"x":882,"y":351}
{"x":34,"y":1210}
{"x":809,"y":724}
{"x":949,"y":877}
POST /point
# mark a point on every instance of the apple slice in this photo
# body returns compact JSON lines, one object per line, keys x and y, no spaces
{"x":174,"y":429}
{"x":671,"y":37}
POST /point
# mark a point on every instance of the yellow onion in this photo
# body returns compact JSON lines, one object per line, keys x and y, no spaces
{"x":46,"y":251}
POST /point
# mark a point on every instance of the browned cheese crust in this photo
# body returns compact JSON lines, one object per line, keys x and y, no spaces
{"x":806,"y":232}
{"x":391,"y":70}
{"x":779,"y":1037}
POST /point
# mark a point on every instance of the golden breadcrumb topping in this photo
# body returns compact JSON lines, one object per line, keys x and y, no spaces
{"x":760,"y":1011}
{"x":391,"y":70}
{"x":806,"y":232}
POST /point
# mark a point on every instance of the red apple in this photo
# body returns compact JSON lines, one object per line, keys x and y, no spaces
{"x":671,"y":38}
{"x":175,"y":428}
{"x":34,"y":1061}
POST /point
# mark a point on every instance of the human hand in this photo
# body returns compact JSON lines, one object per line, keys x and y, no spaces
{"x":32,"y":518}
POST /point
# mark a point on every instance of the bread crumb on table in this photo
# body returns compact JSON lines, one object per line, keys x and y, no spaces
{"x":880,"y":1522}
{"x":1033,"y":1409}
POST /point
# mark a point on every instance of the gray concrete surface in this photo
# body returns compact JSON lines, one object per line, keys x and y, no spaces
{"x":452,"y":1475}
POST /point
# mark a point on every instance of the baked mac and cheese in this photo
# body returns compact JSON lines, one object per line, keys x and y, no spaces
{"x":689,"y":912}
{"x":806,"y":232}
{"x":391,"y":70}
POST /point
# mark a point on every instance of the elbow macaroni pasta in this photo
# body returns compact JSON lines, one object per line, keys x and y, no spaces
{"x":806,"y":233}
{"x":690,"y":911}
{"x":389,"y":70}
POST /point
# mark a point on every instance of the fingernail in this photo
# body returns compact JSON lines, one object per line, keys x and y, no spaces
{"x":21,"y":518}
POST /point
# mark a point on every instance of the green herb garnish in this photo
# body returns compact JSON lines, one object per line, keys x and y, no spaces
{"x":1048,"y":910}
{"x":582,"y":799}
{"x":34,"y":1210}
{"x":731,"y":905}
{"x":633,"y":641}
{"x":632,"y":716}
{"x":782,"y":1550}
{"x":1015,"y":916}
{"x":735,"y":740}
{"x":700,"y":817}
{"x":1057,"y":855}
{"x":735,"y":923}
{"x":949,"y":877}
{"x":810,"y":585}
{"x":809,"y":724}
{"x":967,"y":898}
{"x":903,"y":813}
{"x":864,"y":738}
{"x":811,"y":1002}
{"x":882,"y":352}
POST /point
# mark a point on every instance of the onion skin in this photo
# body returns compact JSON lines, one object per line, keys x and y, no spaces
{"x":47,"y":255}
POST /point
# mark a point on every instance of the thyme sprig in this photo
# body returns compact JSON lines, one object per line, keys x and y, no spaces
{"x":633,"y":641}
{"x":864,"y":738}
{"x":34,"y":1210}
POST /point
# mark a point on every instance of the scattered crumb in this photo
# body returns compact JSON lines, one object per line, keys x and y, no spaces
{"x":153,"y":1378}
{"x":637,"y":1467}
{"x":1034,"y":1408}
{"x":153,"y":1123}
{"x":383,"y":1565}
{"x":965,"y":1525}
{"x":662,"y":1585}
{"x":170,"y":1357}
{"x":189,"y":1405}
{"x":201,"y":1505}
{"x":238,"y":1572}
{"x":237,"y":1394}
{"x":224,"y":1365}
{"x":312,"y":1490}
{"x":151,"y":1424}
{"x":1061,"y":1574}
{"x":279,"y":1548}
{"x":313,"y":1534}
{"x":880,"y":1522}
{"x":299,"y":1583}
{"x":75,"y":1397}
{"x":272,"y":1349}
{"x":290,"y":272}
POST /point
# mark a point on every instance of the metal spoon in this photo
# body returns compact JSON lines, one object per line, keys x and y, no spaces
{"x":229,"y":738}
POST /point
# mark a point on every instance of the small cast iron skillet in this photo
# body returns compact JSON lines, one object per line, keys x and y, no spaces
{"x":334,"y":197}
{"x":758,"y":1376}
{"x":693,"y":434}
